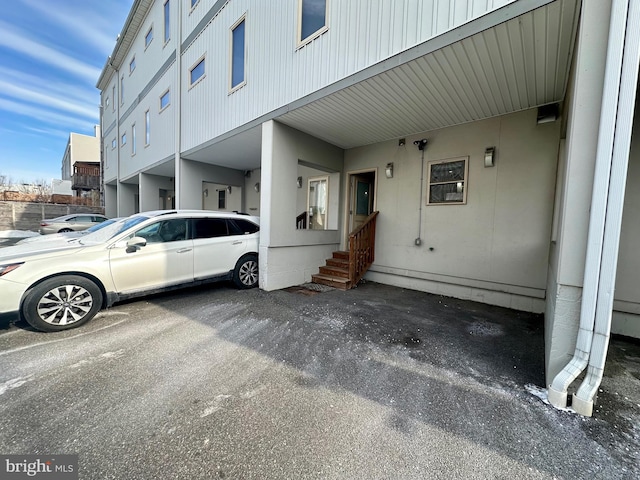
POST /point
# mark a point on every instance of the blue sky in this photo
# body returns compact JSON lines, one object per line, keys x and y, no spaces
{"x":51,"y":55}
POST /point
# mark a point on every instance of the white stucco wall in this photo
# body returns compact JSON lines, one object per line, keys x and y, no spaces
{"x":495,"y":248}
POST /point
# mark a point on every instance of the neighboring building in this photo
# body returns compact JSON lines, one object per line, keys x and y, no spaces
{"x":312,"y":113}
{"x":81,"y":163}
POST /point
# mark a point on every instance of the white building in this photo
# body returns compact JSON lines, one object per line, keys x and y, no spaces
{"x":291,"y":108}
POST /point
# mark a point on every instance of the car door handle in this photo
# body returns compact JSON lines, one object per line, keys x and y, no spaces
{"x":183,"y":250}
{"x":237,"y":243}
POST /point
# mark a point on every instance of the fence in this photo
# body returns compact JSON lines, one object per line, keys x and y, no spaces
{"x":27,"y":216}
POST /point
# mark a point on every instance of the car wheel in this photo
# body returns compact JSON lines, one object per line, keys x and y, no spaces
{"x":60,"y":303}
{"x":65,"y":230}
{"x":245,"y":274}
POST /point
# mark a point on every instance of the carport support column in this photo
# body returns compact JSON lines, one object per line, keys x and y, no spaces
{"x":568,"y":254}
{"x":266,"y":201}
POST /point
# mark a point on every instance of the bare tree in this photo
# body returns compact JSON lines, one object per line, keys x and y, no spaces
{"x":42,"y":190}
{"x":5,"y":182}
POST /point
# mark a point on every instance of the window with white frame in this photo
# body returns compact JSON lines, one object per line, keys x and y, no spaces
{"x":106,"y":102}
{"x":238,"y":53}
{"x":196,"y":73}
{"x":147,"y":128}
{"x":194,"y":3}
{"x":165,"y":100}
{"x":122,"y":90}
{"x":114,"y":144}
{"x":167,"y":21}
{"x":123,"y":139}
{"x":132,"y":65}
{"x":133,"y":139}
{"x":148,"y":38}
{"x":113,"y":95}
{"x":312,"y":19}
{"x":447,"y":181}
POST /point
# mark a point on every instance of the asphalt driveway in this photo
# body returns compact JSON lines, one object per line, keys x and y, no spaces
{"x":377,"y":382}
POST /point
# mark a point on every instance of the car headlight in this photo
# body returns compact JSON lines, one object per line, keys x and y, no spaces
{"x":4,"y":269}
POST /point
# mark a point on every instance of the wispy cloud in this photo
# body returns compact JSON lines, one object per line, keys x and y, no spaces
{"x":44,"y":99}
{"x":66,"y":16}
{"x":21,"y":42}
{"x":23,"y":109}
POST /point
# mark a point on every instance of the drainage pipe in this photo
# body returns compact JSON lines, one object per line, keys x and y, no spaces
{"x":585,"y":397}
{"x":557,"y":394}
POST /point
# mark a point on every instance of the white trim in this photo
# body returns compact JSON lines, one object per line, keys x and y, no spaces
{"x":233,"y":88}
{"x":301,"y":42}
{"x":192,"y":68}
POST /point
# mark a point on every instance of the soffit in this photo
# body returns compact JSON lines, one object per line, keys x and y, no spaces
{"x":516,"y":65}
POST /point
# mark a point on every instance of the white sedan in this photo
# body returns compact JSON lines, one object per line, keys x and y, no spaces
{"x":61,"y":285}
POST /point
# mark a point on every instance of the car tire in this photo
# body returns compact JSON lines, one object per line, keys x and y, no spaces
{"x":61,"y":303}
{"x":245,"y":275}
{"x":65,"y":230}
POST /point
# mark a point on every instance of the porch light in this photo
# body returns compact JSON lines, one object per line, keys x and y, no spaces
{"x":256,"y":187}
{"x":388,"y":171}
{"x":299,"y":182}
{"x":229,"y":189}
{"x":488,"y":156}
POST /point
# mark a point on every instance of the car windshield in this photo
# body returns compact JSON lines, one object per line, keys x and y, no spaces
{"x":105,"y":234}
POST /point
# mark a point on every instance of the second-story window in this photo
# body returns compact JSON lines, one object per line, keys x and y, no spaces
{"x":123,"y":140}
{"x":133,"y":139}
{"x":196,"y":72}
{"x":238,"y":54}
{"x":122,"y":90}
{"x":113,"y":95}
{"x":147,"y":128}
{"x":313,"y":19}
{"x":132,"y":65}
{"x":165,"y":100}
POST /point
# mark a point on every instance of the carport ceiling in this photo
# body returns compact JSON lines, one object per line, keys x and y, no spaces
{"x":516,"y":65}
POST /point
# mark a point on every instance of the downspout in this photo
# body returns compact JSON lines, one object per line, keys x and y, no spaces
{"x":585,"y":397}
{"x":557,"y":393}
{"x":178,"y":117}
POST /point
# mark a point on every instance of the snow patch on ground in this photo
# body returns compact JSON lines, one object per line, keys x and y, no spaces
{"x":542,"y":394}
{"x":13,"y":383}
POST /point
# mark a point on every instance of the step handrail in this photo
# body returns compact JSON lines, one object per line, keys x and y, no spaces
{"x":362,"y":246}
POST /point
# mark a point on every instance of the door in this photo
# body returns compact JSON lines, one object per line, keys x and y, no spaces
{"x":361,"y":198}
{"x":166,"y":259}
{"x":217,"y":246}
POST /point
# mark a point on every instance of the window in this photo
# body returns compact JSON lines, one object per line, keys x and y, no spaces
{"x":165,"y":100}
{"x":222,"y":199}
{"x":167,"y":21}
{"x":106,"y":102}
{"x":196,"y":72}
{"x":123,"y":139}
{"x":194,"y":3}
{"x":209,"y":228}
{"x":147,"y":128}
{"x":237,"y":54}
{"x":447,"y":181}
{"x":132,"y":65}
{"x":122,"y":90}
{"x":313,"y":19}
{"x":242,"y":227}
{"x":133,"y":139}
{"x":148,"y":37}
{"x":165,"y":231}
{"x":114,"y":143}
{"x":113,"y":95}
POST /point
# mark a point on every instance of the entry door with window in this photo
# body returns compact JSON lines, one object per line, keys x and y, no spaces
{"x":361,"y":193}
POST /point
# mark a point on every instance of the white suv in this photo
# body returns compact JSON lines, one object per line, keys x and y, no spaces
{"x":61,"y":285}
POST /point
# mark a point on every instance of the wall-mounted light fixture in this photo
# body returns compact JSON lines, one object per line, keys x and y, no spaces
{"x":206,"y":192}
{"x":489,"y":154}
{"x":401,"y":142}
{"x":421,"y":143}
{"x":229,"y":189}
{"x":256,"y":187}
{"x":299,"y":182}
{"x":388,"y":170}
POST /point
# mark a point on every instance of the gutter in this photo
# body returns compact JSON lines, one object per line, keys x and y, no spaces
{"x":612,"y":158}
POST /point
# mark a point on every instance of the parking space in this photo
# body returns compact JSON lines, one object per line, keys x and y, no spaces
{"x":375,"y":382}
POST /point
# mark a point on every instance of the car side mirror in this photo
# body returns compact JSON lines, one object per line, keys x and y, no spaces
{"x":135,"y":243}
